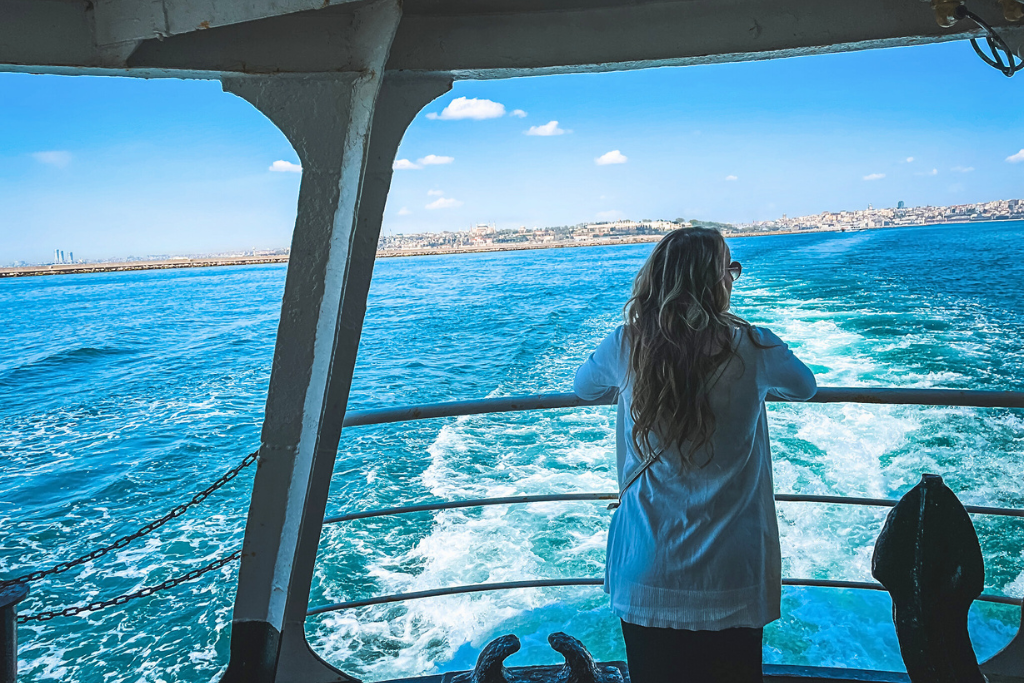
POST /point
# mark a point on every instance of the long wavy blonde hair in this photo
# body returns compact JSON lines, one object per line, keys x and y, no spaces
{"x":679,"y":331}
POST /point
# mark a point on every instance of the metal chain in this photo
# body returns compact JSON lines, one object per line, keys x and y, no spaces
{"x":152,"y":526}
{"x":121,"y":599}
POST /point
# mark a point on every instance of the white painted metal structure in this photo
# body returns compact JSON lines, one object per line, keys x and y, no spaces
{"x":342,"y":79}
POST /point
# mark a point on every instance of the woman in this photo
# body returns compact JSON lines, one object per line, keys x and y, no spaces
{"x":693,"y":568}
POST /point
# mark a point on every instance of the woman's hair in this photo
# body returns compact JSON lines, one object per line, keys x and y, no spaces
{"x":679,"y":331}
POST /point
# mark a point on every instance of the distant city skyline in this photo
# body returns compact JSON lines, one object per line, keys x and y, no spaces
{"x":179,"y":167}
{"x":486,"y":237}
{"x":483,"y":237}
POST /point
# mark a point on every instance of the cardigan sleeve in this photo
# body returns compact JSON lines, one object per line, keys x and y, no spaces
{"x":784,"y":374}
{"x":603,"y":370}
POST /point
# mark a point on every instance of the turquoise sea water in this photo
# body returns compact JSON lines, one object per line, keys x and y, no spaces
{"x":122,"y":393}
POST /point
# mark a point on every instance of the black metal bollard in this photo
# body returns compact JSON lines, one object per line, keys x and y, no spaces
{"x":10,"y":596}
{"x":928,"y":558}
{"x":490,"y":665}
{"x":579,"y":666}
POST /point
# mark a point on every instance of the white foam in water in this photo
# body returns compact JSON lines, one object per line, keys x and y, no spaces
{"x":110,"y":449}
{"x":844,"y":449}
{"x":492,"y":544}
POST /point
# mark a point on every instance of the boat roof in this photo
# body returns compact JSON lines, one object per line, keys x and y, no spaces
{"x":463,"y":38}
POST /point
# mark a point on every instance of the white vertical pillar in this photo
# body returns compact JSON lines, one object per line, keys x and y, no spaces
{"x":327,"y":118}
{"x":400,"y":99}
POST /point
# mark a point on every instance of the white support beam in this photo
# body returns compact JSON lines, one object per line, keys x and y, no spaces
{"x":619,"y":35}
{"x":400,"y":99}
{"x":466,"y":38}
{"x":119,"y":21}
{"x":327,"y":118}
{"x":56,"y":35}
{"x":503,"y":39}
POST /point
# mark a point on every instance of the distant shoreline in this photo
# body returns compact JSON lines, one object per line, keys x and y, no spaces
{"x":118,"y":266}
{"x":213,"y":261}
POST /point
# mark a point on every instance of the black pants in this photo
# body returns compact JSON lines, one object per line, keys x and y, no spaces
{"x":667,"y":655}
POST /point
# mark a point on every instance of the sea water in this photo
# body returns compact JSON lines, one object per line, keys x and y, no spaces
{"x":123,"y":393}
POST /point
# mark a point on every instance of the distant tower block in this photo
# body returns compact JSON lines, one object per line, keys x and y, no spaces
{"x":56,"y":255}
{"x":71,"y":257}
{"x":900,"y":205}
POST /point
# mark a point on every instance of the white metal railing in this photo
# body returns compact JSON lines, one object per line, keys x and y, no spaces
{"x":871,"y":395}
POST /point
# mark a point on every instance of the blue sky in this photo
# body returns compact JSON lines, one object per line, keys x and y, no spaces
{"x":112,"y":167}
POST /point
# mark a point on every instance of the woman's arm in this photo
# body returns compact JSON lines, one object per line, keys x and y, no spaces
{"x":785,"y":375}
{"x":602,"y":371}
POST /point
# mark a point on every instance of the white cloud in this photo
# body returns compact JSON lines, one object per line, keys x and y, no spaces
{"x":731,"y":177}
{"x":404,"y":165}
{"x":549,"y":128}
{"x":404,"y":211}
{"x":282,"y":166}
{"x":612,"y":157}
{"x":910,"y":160}
{"x":518,"y":113}
{"x":962,"y":169}
{"x":1016,"y":158}
{"x":934,"y":171}
{"x":444,"y":203}
{"x":434,"y":160}
{"x":874,"y":176}
{"x":435,"y":193}
{"x":465,"y":108}
{"x":59,"y":159}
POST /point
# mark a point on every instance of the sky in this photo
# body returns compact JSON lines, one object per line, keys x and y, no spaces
{"x":118,"y":167}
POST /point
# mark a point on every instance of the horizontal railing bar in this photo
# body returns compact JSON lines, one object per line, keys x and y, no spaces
{"x":469,"y":503}
{"x":559,"y":497}
{"x":888,"y":503}
{"x":510,"y":404}
{"x":553,"y":583}
{"x":454,"y":590}
{"x":507,"y":404}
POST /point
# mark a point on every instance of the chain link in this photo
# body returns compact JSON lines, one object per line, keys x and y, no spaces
{"x":122,"y":599}
{"x":125,"y":540}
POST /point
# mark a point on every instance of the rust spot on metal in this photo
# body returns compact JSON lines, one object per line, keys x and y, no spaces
{"x":204,"y":24}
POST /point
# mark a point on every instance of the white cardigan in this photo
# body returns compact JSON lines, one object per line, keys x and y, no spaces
{"x":698,"y":549}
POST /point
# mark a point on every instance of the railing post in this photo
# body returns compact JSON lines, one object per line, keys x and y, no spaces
{"x":10,"y":596}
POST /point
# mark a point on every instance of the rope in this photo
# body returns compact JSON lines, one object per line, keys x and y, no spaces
{"x":998,"y":47}
{"x":152,"y":526}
